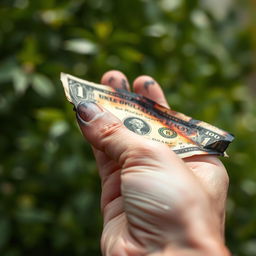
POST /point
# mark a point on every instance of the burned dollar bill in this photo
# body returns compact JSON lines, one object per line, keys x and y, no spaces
{"x":183,"y":134}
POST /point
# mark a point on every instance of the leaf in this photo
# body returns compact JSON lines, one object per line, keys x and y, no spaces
{"x":58,"y":129}
{"x":170,"y":5}
{"x":103,"y":29}
{"x":42,"y":85}
{"x":219,"y":8}
{"x":20,"y":81}
{"x":30,"y":215}
{"x":49,"y":115}
{"x":82,"y":46}
{"x":200,"y":19}
{"x":156,"y":30}
{"x":131,"y":54}
{"x":6,"y":70}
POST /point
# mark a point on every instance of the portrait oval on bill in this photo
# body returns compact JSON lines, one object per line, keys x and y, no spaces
{"x":137,"y":125}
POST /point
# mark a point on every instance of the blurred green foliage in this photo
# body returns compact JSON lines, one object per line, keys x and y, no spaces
{"x":201,"y":52}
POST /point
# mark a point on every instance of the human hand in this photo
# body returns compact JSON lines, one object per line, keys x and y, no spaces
{"x":153,"y":202}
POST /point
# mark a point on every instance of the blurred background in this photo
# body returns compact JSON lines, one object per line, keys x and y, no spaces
{"x":202,"y":53}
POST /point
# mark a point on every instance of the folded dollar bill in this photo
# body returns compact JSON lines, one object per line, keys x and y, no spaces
{"x":184,"y":135}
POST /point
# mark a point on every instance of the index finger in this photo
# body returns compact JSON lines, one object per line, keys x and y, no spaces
{"x":115,"y":79}
{"x":148,"y":87}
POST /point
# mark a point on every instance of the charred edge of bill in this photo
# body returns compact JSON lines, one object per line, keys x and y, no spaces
{"x":219,"y":146}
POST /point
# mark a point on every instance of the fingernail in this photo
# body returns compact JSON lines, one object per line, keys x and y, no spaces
{"x":86,"y":111}
{"x":124,"y":84}
{"x":147,"y":84}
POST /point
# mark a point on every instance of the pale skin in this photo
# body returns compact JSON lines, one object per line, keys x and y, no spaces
{"x":153,"y":202}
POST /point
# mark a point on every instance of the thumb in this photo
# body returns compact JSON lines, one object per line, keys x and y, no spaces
{"x":108,"y":134}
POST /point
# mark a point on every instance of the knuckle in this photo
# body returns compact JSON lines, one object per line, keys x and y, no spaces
{"x":224,"y":182}
{"x":219,"y":191}
{"x":154,"y":145}
{"x":142,"y":150}
{"x":145,"y":148}
{"x":110,"y":129}
{"x":225,"y":179}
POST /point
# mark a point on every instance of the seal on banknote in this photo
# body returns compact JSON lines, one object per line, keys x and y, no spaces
{"x":167,"y":133}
